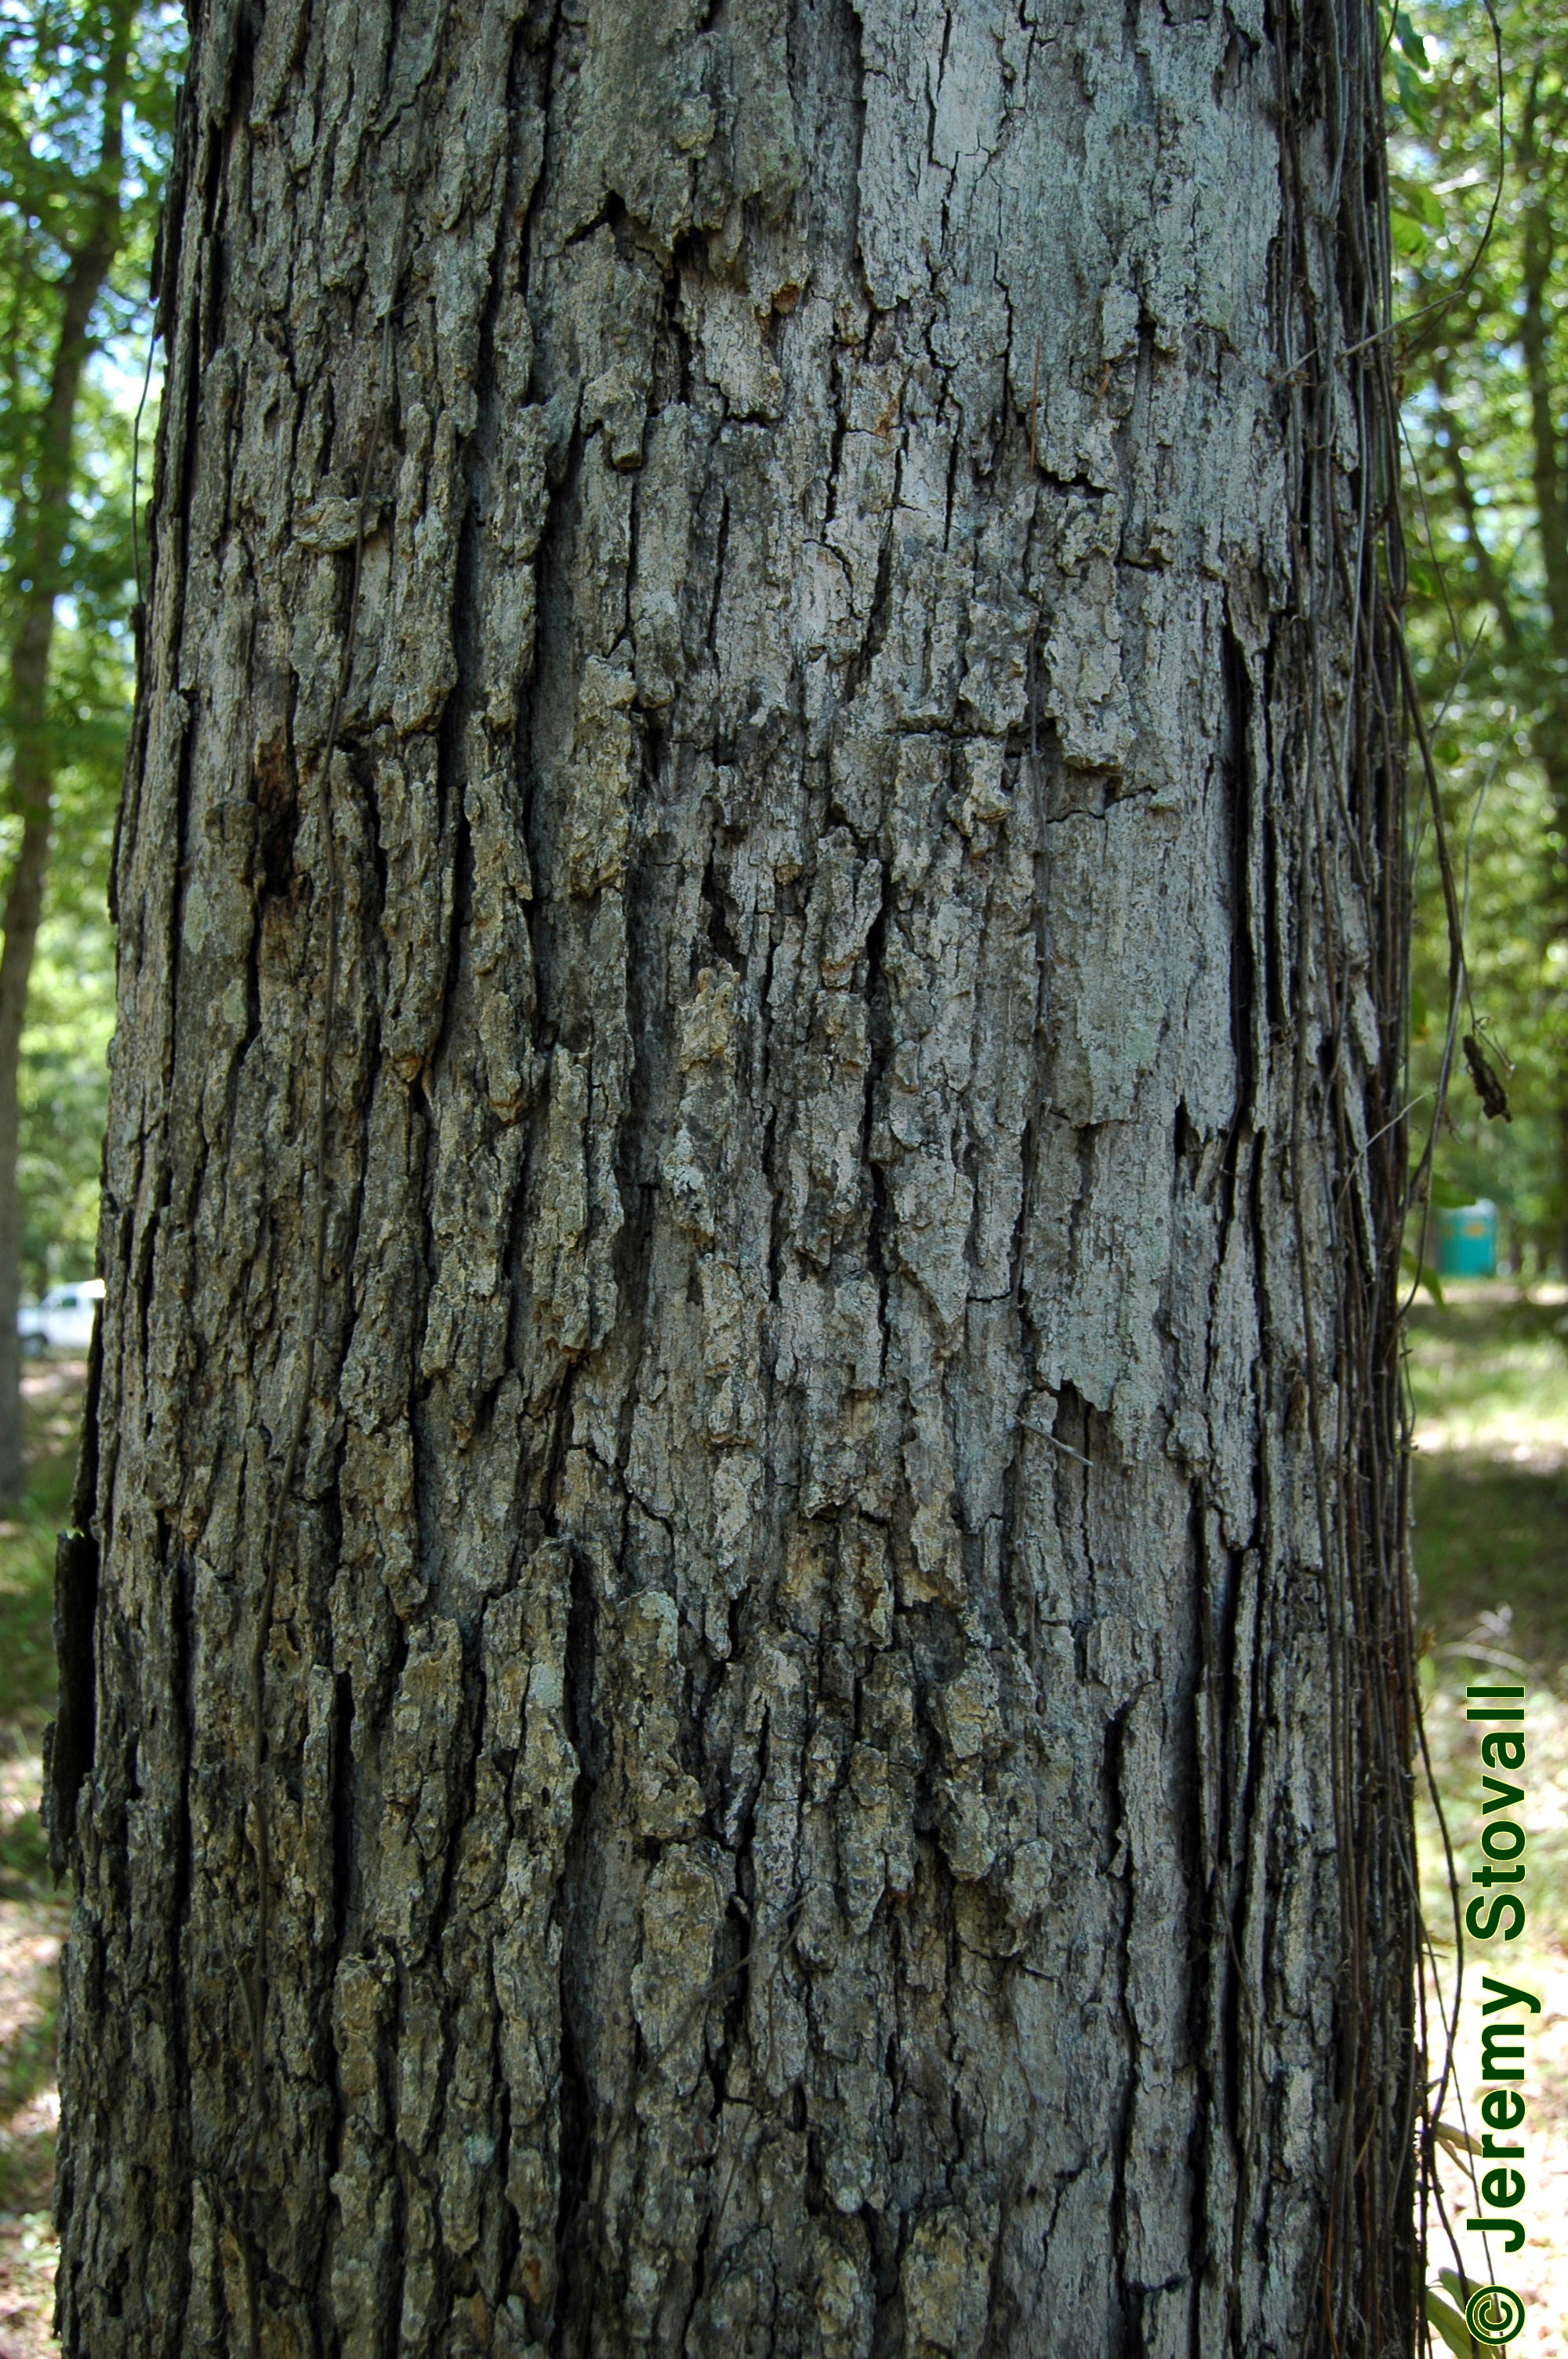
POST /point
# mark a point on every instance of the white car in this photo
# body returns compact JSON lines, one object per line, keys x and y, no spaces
{"x":63,"y":1322}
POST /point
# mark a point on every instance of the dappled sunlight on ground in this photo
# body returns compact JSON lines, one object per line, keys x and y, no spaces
{"x":33,"y":1919}
{"x":1489,"y":1381}
{"x":1489,"y":1385}
{"x":31,"y":1931}
{"x":1536,"y":1963}
{"x":1491,"y":1375}
{"x":27,"y":2253}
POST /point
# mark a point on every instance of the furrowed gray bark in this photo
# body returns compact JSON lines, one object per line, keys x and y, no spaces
{"x":835,"y":1698}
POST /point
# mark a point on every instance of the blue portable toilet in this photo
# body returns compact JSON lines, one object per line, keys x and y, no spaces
{"x":1467,"y":1241}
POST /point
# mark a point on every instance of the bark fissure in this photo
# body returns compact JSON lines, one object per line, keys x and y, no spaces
{"x":788,"y":1698}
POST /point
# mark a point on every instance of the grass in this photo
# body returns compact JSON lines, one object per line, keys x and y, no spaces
{"x":1489,"y":1384}
{"x":1489,"y":1534}
{"x":1487,"y":1355}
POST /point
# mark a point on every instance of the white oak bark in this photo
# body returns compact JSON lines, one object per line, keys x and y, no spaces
{"x":806,"y":1712}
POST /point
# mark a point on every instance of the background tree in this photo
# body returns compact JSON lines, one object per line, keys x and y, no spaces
{"x":735,"y":1676}
{"x":1486,"y":385}
{"x":85,"y":104}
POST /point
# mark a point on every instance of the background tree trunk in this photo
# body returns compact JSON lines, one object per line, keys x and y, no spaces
{"x":834,"y":1654}
{"x":41,"y":527}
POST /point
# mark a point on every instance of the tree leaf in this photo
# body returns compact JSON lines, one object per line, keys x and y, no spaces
{"x":1412,"y":97}
{"x":1422,"y":1274}
{"x":1410,"y":42}
{"x":1408,"y":235}
{"x":1415,"y":198}
{"x":1450,"y":2325}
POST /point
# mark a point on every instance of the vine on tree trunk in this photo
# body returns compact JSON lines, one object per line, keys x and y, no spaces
{"x":1336,"y":291}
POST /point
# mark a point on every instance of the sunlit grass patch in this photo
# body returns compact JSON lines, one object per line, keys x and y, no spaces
{"x":1481,"y":1367}
{"x":1453,"y":1742}
{"x":1490,"y":1386}
{"x":1537,"y":1962}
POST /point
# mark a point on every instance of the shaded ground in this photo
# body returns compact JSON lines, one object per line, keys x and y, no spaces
{"x":1489,"y":1381}
{"x":32,"y":1919}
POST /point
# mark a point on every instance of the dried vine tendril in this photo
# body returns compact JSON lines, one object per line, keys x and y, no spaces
{"x":1343,"y":733}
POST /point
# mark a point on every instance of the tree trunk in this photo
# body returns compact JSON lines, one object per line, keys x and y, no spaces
{"x":41,"y":527}
{"x":751,"y":1653}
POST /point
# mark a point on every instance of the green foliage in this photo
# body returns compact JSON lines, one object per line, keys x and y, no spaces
{"x":1518,"y":1002}
{"x":51,"y":59}
{"x":1422,"y":1274}
{"x":1481,"y":246}
{"x":63,"y":1090}
{"x":1450,"y":2324}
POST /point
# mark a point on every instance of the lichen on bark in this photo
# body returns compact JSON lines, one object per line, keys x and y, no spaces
{"x":814,"y":1591}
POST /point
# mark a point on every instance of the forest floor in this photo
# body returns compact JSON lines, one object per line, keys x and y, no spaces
{"x":32,"y":1916}
{"x":1489,"y":1384}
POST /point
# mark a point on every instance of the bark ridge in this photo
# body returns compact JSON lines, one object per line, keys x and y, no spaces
{"x":820,"y":1653}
